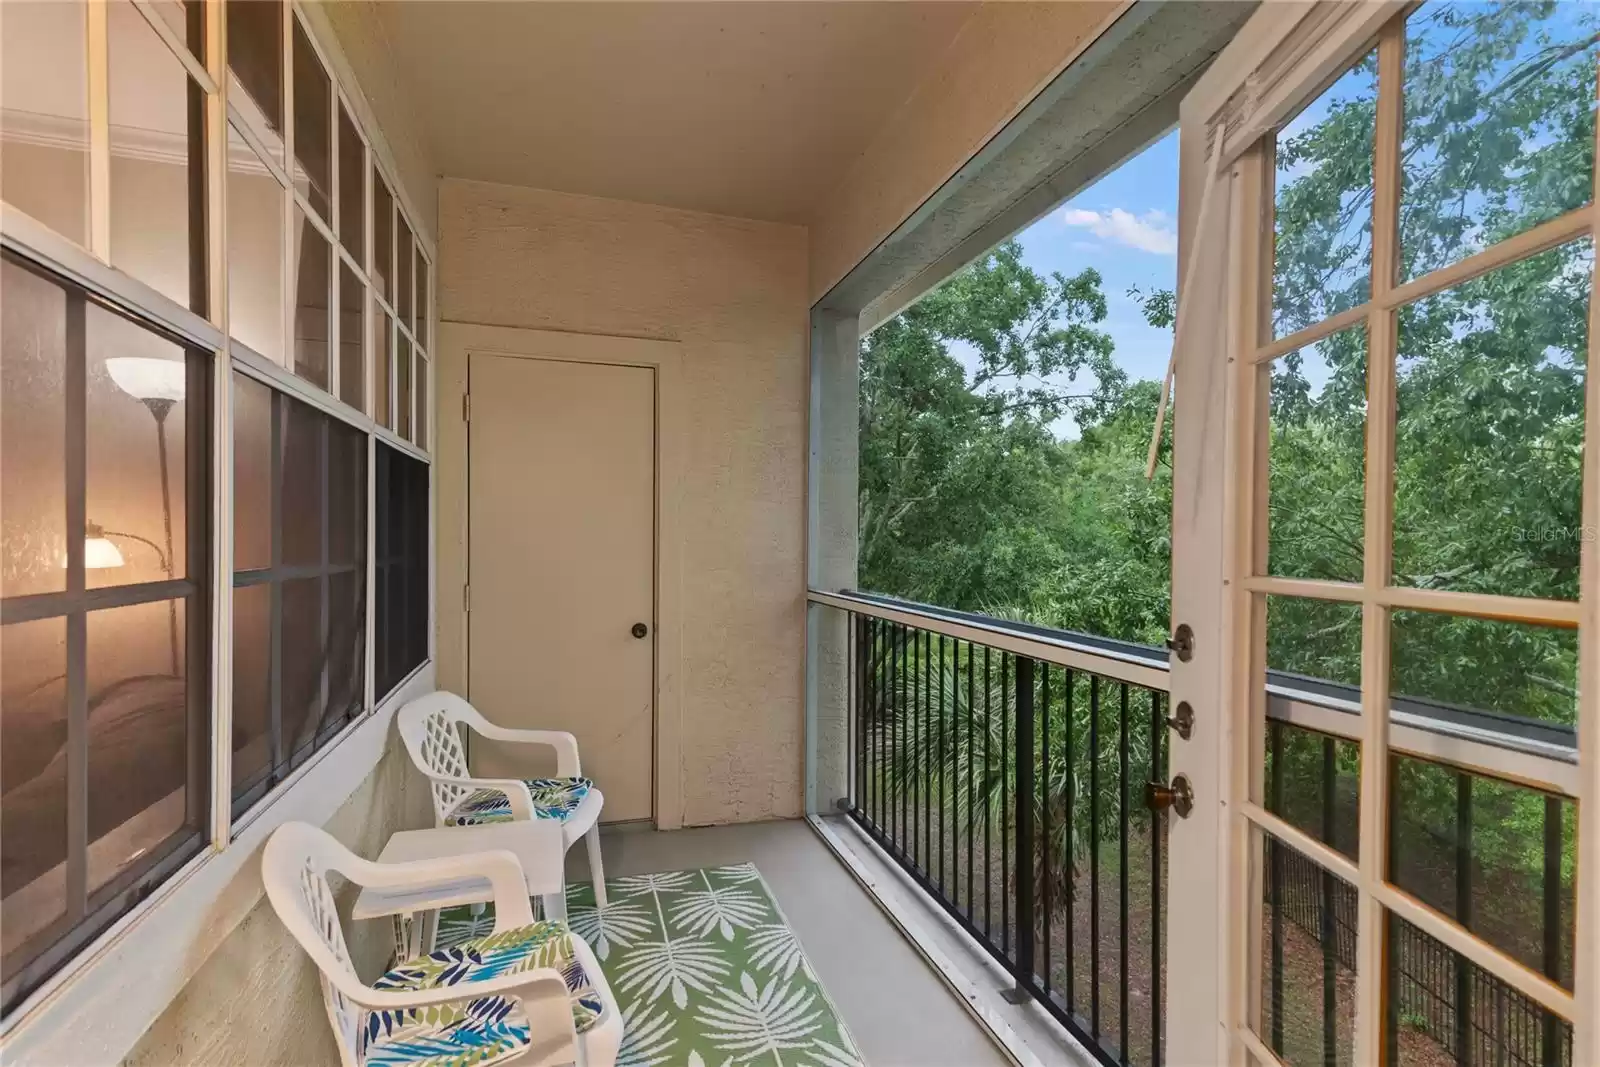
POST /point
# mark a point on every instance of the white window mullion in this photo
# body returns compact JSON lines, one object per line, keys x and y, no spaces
{"x":1378,"y":539}
{"x":221,"y":436}
{"x":1586,"y":946}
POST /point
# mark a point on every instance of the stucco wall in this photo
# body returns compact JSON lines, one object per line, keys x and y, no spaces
{"x":1004,"y":55}
{"x":733,"y":293}
{"x":256,"y":1000}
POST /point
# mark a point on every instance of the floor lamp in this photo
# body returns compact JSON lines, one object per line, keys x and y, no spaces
{"x":158,"y":384}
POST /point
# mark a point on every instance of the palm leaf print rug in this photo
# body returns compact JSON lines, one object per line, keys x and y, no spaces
{"x":706,"y":970}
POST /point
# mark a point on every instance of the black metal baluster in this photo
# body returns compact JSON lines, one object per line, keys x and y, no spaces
{"x":943,"y":718}
{"x":895,"y":756}
{"x":1552,"y":922}
{"x":1275,"y":861}
{"x":1071,"y":827}
{"x":988,"y":806}
{"x":971,"y":811}
{"x":1005,"y":808}
{"x":1026,"y":845}
{"x":1046,"y":852}
{"x":927,"y":756}
{"x":1463,"y":976}
{"x":1158,"y":737}
{"x":917,"y":765}
{"x":1330,"y":999}
{"x":1122,"y":864}
{"x":1094,"y":855}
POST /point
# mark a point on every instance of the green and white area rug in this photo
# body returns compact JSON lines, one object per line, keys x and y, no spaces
{"x":706,"y":970}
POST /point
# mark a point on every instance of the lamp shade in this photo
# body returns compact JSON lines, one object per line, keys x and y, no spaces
{"x":149,"y":379}
{"x":100,"y":554}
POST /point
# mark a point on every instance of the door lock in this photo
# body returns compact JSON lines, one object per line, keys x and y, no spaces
{"x":1182,"y":642}
{"x":640,"y":630}
{"x":1182,"y":719}
{"x":1178,"y":796}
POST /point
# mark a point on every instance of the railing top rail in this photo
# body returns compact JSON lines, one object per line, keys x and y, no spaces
{"x":1147,"y":665}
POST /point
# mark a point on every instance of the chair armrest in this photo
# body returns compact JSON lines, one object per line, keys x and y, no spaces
{"x":566,"y":745}
{"x":515,"y":789}
{"x":498,"y":866}
{"x":391,"y":999}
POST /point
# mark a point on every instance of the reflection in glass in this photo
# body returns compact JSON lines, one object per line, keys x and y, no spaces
{"x":347,"y":646}
{"x":1499,"y":124}
{"x":424,"y":307}
{"x":1489,"y":406}
{"x":382,"y":370}
{"x":186,"y":19}
{"x":158,"y":153}
{"x":137,"y":426}
{"x":33,"y":784}
{"x":313,"y":279}
{"x":382,"y":236}
{"x":313,"y":125}
{"x":33,"y":499}
{"x":44,"y":114}
{"x":402,"y":388}
{"x":255,"y":250}
{"x":1322,"y":261}
{"x":252,"y":474}
{"x":420,"y":437}
{"x":301,"y":682}
{"x":352,"y":337}
{"x":255,"y":59}
{"x":1308,"y":959}
{"x":403,"y":255}
{"x":1506,"y":668}
{"x":352,"y":186}
{"x":140,"y":750}
{"x":1316,"y":459}
{"x":347,"y":494}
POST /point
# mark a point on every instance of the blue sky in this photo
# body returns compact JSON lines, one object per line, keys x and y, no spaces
{"x":1124,"y":226}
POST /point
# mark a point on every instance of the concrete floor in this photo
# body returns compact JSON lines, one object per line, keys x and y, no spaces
{"x":899,"y":1010}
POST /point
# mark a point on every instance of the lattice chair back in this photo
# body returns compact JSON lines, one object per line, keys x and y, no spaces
{"x":295,"y":867}
{"x":430,"y":727}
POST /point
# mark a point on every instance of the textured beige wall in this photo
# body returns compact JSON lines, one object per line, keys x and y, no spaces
{"x":257,"y":1000}
{"x":733,"y":293}
{"x":1004,"y":55}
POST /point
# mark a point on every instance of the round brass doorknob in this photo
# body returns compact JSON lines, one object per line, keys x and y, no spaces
{"x":640,"y":630}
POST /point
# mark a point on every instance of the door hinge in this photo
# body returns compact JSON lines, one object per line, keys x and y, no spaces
{"x":466,"y":407}
{"x":466,"y":597}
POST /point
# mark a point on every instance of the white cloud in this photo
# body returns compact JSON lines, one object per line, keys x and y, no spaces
{"x":1151,"y":232}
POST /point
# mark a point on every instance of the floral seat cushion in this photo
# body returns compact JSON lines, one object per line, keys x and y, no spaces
{"x":553,"y":798}
{"x":482,"y":1030}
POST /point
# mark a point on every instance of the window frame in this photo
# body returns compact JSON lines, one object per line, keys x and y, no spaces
{"x":87,"y":266}
{"x":1234,"y":553}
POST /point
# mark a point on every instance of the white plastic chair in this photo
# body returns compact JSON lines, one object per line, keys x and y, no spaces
{"x":434,"y":1005}
{"x":431,"y":725}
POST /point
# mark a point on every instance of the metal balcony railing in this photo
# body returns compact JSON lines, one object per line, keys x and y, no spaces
{"x":1004,"y":766}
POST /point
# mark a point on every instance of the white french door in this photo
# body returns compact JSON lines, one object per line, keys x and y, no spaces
{"x":1387,"y":497}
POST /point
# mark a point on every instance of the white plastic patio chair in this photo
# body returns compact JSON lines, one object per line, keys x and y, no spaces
{"x":431,"y":725}
{"x":501,"y":998}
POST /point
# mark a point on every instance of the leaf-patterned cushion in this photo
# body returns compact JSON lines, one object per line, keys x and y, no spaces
{"x":479,"y":1031}
{"x":553,"y":798}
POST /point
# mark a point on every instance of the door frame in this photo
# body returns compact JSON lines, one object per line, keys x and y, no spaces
{"x":458,"y":342}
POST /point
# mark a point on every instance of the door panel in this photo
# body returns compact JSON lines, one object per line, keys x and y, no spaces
{"x":562,"y":549}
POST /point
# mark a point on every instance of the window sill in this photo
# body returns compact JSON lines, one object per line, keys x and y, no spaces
{"x":95,"y":1009}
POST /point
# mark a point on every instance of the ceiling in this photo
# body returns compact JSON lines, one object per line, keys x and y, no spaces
{"x":747,"y":109}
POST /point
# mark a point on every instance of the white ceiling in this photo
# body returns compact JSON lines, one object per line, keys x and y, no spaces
{"x":747,"y":109}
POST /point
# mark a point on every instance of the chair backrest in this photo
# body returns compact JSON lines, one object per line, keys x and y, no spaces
{"x":294,"y":868}
{"x":430,"y":726}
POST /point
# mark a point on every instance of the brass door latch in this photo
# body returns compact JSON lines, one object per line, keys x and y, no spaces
{"x":1178,"y":796}
{"x":1182,"y":642}
{"x":1182,"y":719}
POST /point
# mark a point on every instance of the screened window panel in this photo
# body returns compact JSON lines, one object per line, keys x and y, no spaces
{"x":255,"y":250}
{"x":382,"y":237}
{"x":403,"y":258}
{"x":136,"y":671}
{"x":255,"y":59}
{"x":352,"y":337}
{"x":401,"y":565}
{"x":382,"y":370}
{"x":33,"y":421}
{"x":313,"y":259}
{"x":402,"y":385}
{"x":352,"y":187}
